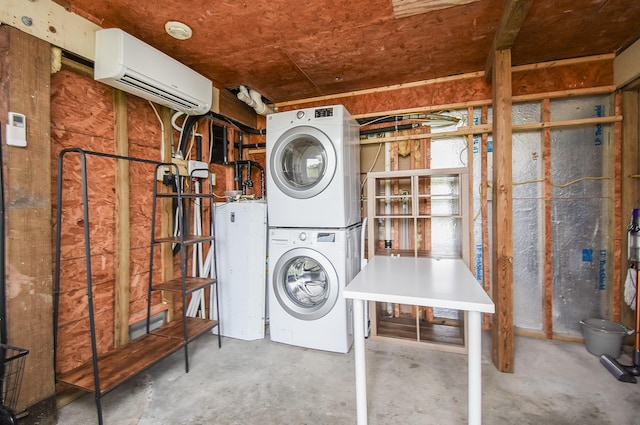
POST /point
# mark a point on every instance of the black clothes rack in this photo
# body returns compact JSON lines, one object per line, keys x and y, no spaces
{"x":105,"y":372}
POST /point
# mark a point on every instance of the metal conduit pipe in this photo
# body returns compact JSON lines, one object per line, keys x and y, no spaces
{"x":399,"y":118}
{"x":240,"y":185}
{"x":390,"y":128}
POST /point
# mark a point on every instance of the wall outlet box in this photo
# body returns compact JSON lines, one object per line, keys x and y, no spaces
{"x":198,"y":169}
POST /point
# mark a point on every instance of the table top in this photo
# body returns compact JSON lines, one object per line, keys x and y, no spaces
{"x":432,"y":282}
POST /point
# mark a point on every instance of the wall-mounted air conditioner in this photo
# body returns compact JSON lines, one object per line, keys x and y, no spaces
{"x":124,"y":62}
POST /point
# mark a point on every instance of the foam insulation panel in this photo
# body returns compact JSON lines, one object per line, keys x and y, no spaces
{"x":528,"y":220}
{"x":580,"y":214}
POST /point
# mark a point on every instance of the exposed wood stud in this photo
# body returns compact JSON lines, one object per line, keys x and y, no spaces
{"x":470,"y":165}
{"x":548,"y":229}
{"x":630,"y":195}
{"x":484,"y":185}
{"x":502,"y":288}
{"x":617,"y":214}
{"x":122,"y":214}
{"x":166,"y":214}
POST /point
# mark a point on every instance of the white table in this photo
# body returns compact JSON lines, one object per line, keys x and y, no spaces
{"x":430,"y":282}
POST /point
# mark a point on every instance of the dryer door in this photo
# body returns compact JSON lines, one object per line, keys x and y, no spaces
{"x":305,"y":284}
{"x":303,"y":162}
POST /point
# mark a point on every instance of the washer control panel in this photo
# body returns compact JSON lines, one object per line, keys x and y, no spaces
{"x":324,"y":112}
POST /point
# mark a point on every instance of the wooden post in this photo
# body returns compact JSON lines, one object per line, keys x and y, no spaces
{"x":122,"y":255}
{"x":25,"y":82}
{"x":502,"y":214}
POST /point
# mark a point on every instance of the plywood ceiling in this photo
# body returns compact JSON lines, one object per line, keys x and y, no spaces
{"x":296,"y":49}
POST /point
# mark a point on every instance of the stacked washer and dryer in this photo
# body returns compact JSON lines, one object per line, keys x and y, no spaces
{"x":313,"y":203}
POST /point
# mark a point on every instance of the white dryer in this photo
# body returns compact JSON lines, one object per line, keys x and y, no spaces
{"x":308,"y":271}
{"x":313,"y":168}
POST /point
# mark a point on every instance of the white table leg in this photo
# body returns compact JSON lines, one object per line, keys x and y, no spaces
{"x":360,"y":365}
{"x":474,"y":322}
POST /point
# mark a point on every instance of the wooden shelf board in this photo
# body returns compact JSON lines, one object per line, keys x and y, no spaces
{"x":405,"y":328}
{"x":192,"y":284}
{"x":195,"y":325}
{"x":122,"y":363}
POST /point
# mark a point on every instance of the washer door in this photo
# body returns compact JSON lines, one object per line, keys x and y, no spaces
{"x":303,"y":162}
{"x":305,"y":284}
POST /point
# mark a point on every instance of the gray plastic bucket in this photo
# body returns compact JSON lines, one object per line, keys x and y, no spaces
{"x":603,"y":336}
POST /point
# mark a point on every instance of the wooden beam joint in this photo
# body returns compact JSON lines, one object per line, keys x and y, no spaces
{"x":511,"y":22}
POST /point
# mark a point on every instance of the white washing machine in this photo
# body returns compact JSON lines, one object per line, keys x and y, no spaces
{"x":313,"y":168}
{"x":308,"y":271}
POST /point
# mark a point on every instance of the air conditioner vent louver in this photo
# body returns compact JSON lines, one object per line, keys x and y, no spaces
{"x":154,"y":91}
{"x":124,"y":62}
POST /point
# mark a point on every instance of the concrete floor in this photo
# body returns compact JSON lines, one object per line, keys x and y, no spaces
{"x":263,"y":383}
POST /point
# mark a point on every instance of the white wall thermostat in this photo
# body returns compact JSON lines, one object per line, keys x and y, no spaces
{"x":17,"y":130}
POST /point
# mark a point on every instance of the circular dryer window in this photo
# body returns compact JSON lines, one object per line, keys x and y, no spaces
{"x":303,"y":162}
{"x":305,"y":284}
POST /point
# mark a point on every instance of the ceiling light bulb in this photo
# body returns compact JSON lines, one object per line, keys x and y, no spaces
{"x":178,"y":30}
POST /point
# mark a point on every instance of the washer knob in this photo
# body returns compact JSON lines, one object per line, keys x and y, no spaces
{"x":302,"y":236}
{"x":300,"y":115}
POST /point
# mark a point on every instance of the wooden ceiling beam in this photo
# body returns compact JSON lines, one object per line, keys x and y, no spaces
{"x":406,"y":8}
{"x":511,"y":21}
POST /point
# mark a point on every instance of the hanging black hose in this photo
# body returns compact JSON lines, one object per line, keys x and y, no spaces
{"x":240,"y":183}
{"x":244,"y":184}
{"x":190,"y":121}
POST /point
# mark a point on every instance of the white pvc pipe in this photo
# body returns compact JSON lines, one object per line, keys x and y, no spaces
{"x":254,"y":99}
{"x":387,"y":192}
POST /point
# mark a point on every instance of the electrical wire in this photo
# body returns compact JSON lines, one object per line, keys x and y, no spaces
{"x":558,"y":185}
{"x":162,"y":158}
{"x":373,"y":164}
{"x":178,"y":152}
{"x":192,"y":141}
{"x":561,"y":185}
{"x":174,"y":117}
{"x":427,"y":118}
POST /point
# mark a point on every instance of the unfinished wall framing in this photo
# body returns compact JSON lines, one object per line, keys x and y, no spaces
{"x":81,"y":115}
{"x":583,"y":87}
